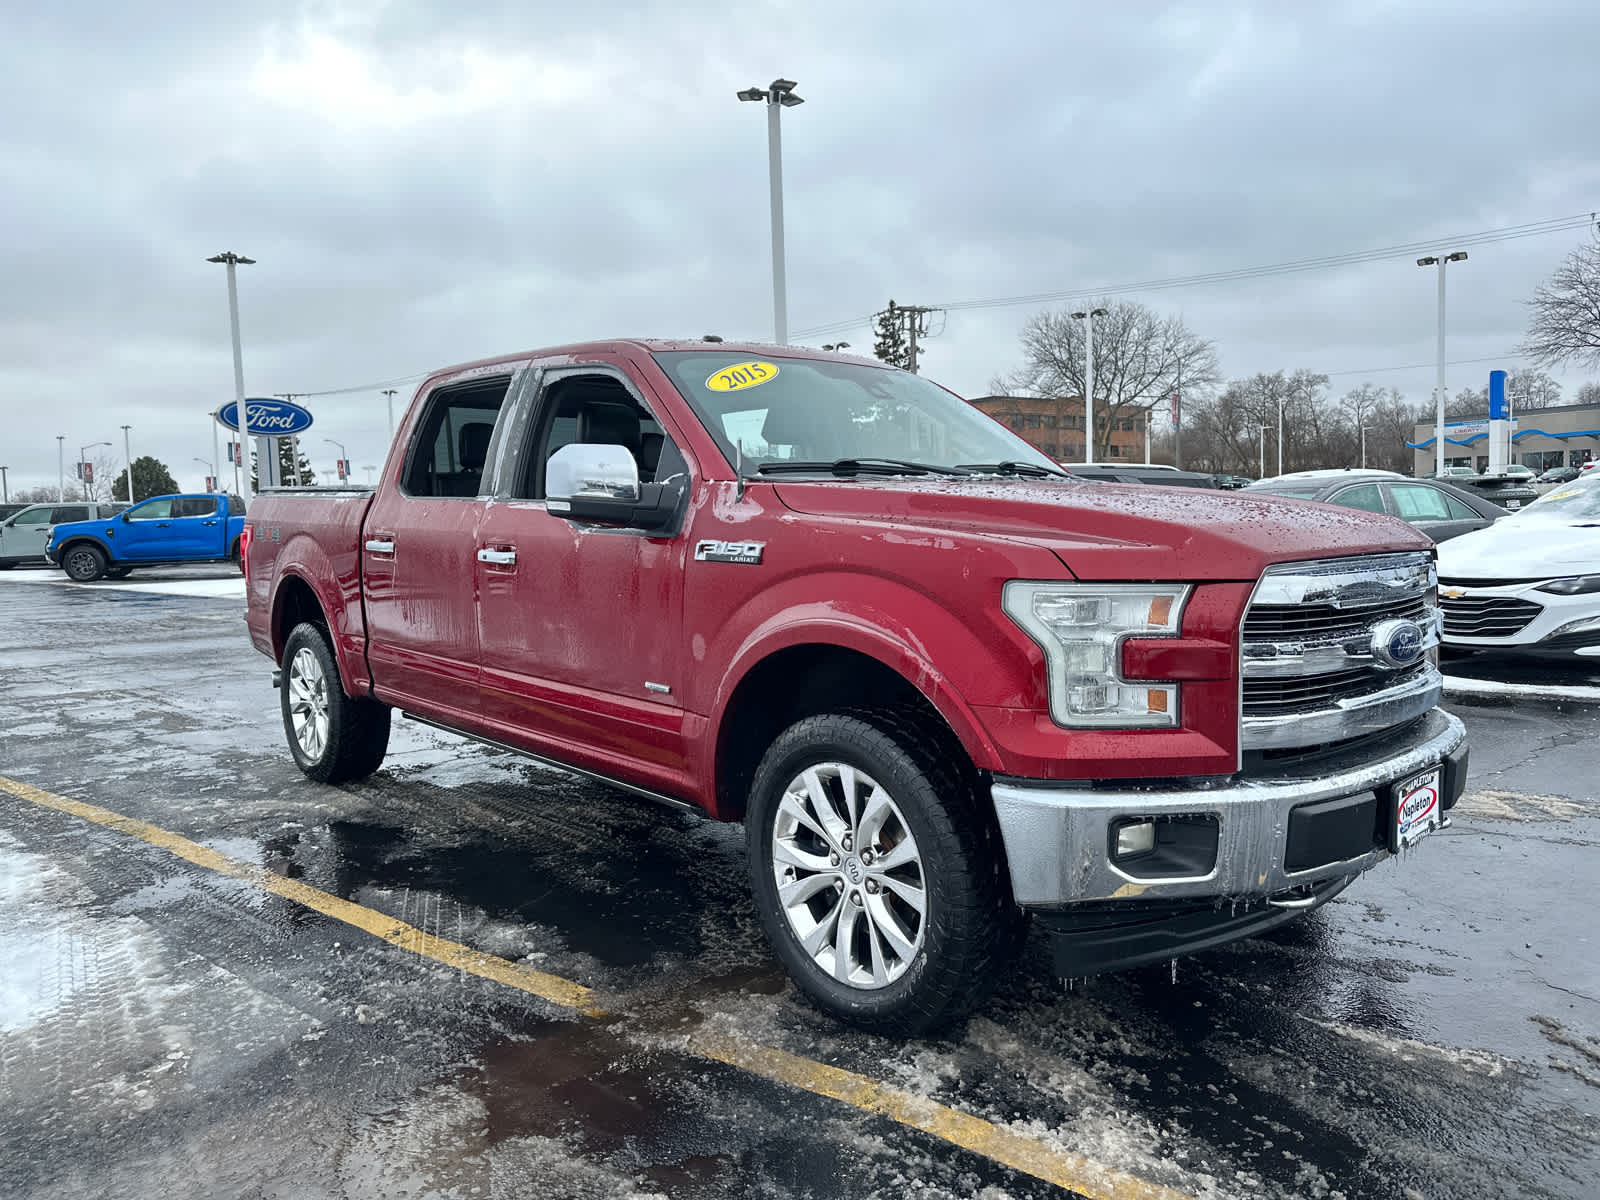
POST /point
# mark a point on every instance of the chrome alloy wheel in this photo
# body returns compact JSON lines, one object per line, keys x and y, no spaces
{"x":849,"y":875}
{"x":308,"y":703}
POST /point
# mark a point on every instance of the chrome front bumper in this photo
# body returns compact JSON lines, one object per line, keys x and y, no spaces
{"x":1058,"y":838}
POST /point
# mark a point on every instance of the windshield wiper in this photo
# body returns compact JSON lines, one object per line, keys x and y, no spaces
{"x":1012,"y":467}
{"x":859,"y":466}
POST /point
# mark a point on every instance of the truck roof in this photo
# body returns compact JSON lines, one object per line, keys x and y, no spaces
{"x":655,"y":346}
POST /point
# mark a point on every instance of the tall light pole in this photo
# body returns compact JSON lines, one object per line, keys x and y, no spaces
{"x":216,"y":458}
{"x":211,"y":468}
{"x":5,"y":491}
{"x":127,"y":453}
{"x":344,"y":459}
{"x":779,"y":94}
{"x":1438,"y":422}
{"x":1364,"y":430}
{"x":61,"y":467}
{"x":1280,"y":433}
{"x":1088,"y":374}
{"x":1261,"y":458}
{"x":389,"y":395}
{"x":83,"y":462}
{"x":240,"y":476}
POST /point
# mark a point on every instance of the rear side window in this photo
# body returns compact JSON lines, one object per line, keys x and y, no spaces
{"x":194,"y":506}
{"x":1366,"y":496}
{"x":450,"y":451}
{"x":1415,"y":503}
{"x":69,"y":512}
{"x":235,"y":506}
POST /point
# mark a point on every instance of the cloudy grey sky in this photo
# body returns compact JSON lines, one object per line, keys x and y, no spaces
{"x":425,"y":183}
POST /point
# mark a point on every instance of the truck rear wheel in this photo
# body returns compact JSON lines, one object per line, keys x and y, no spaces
{"x":84,"y":563}
{"x":879,"y":878}
{"x":333,"y":737}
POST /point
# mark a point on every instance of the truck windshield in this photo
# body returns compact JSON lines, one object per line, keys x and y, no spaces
{"x":802,"y":410}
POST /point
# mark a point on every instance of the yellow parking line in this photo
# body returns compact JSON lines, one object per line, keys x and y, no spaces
{"x":1028,"y":1155}
{"x":408,"y":937}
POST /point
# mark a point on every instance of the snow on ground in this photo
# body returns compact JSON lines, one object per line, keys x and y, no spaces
{"x":1455,"y":685}
{"x":226,"y":587}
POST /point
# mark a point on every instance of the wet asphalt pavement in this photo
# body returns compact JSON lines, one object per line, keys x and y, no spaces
{"x":169,"y":1030}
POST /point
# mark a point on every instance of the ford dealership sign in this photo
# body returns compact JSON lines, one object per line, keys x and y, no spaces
{"x":268,"y":418}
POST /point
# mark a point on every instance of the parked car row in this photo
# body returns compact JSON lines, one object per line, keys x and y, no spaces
{"x":92,"y":541}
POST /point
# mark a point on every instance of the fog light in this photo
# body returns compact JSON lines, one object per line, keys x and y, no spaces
{"x":1136,"y":837}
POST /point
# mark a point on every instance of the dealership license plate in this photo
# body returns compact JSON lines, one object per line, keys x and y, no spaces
{"x":1513,"y":503}
{"x":1416,"y":808}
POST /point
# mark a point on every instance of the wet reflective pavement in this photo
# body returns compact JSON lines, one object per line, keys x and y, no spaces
{"x":1434,"y":1032}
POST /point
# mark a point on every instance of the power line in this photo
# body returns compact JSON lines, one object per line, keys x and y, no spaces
{"x":1407,"y":249}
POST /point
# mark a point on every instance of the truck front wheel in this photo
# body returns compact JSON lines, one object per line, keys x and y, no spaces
{"x":879,"y":879}
{"x":333,"y":737}
{"x":84,"y":563}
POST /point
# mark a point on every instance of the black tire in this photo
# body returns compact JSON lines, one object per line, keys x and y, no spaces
{"x":84,"y":562}
{"x":969,"y":927}
{"x":234,"y":556}
{"x":118,"y":572}
{"x":356,"y":731}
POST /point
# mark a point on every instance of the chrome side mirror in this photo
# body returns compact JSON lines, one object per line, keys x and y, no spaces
{"x":585,"y":471}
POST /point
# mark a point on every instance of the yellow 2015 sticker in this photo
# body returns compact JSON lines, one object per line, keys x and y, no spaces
{"x":742,"y":375}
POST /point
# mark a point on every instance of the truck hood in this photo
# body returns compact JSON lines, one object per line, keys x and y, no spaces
{"x":1117,"y":531}
{"x":1523,"y":547}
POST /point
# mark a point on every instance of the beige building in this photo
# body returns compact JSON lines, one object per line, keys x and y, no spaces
{"x":1541,"y":438}
{"x":1053,"y":425}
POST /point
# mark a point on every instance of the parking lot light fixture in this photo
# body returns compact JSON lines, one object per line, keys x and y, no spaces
{"x":344,"y":459}
{"x":1440,"y":260}
{"x":83,"y":462}
{"x":128,"y":454}
{"x":61,"y":467}
{"x":779,"y":95}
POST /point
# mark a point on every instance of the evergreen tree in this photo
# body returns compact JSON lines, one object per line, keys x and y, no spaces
{"x":286,"y":462}
{"x":890,"y":344}
{"x":150,"y":478}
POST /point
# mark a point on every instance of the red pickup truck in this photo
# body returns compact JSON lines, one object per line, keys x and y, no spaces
{"x":945,"y":685}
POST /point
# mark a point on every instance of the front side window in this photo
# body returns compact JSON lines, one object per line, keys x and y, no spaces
{"x":33,"y":516}
{"x":153,"y":510}
{"x":597,"y":410}
{"x":816,"y":410}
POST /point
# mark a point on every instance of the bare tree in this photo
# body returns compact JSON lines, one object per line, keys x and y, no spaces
{"x":1527,"y":388}
{"x":1589,"y":393}
{"x":1140,"y":359}
{"x":1565,"y":323}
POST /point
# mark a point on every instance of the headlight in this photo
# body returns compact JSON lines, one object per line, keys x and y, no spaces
{"x":1573,"y":585}
{"x":1081,"y":628}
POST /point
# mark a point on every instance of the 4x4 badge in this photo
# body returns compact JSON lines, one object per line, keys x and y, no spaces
{"x":729,"y":552}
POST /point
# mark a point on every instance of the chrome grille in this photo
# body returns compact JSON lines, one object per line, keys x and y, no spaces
{"x":1275,"y":622}
{"x":1330,"y":650}
{"x":1487,"y":616}
{"x":1276,"y":697}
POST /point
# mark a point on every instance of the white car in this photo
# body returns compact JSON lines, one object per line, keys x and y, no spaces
{"x":1530,"y":581}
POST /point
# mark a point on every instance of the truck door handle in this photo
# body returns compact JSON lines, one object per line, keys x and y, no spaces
{"x":380,"y":545}
{"x":504,"y":558}
{"x":163,"y":524}
{"x":210,"y":522}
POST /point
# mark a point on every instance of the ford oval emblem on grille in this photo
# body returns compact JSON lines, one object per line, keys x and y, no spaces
{"x":1396,"y":644}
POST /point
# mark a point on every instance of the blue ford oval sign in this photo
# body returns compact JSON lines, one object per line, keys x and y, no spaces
{"x":268,"y":418}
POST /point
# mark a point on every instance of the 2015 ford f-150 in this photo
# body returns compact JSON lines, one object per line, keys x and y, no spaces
{"x":944,"y":684}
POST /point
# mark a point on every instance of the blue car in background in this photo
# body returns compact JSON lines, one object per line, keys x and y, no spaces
{"x":157,"y":532}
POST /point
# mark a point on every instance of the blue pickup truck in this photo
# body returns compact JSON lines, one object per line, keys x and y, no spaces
{"x":160,"y":531}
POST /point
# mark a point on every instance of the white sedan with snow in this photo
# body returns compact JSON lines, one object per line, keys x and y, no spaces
{"x":1531,"y":581}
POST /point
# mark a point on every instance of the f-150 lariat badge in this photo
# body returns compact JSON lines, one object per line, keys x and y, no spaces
{"x":748,"y":553}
